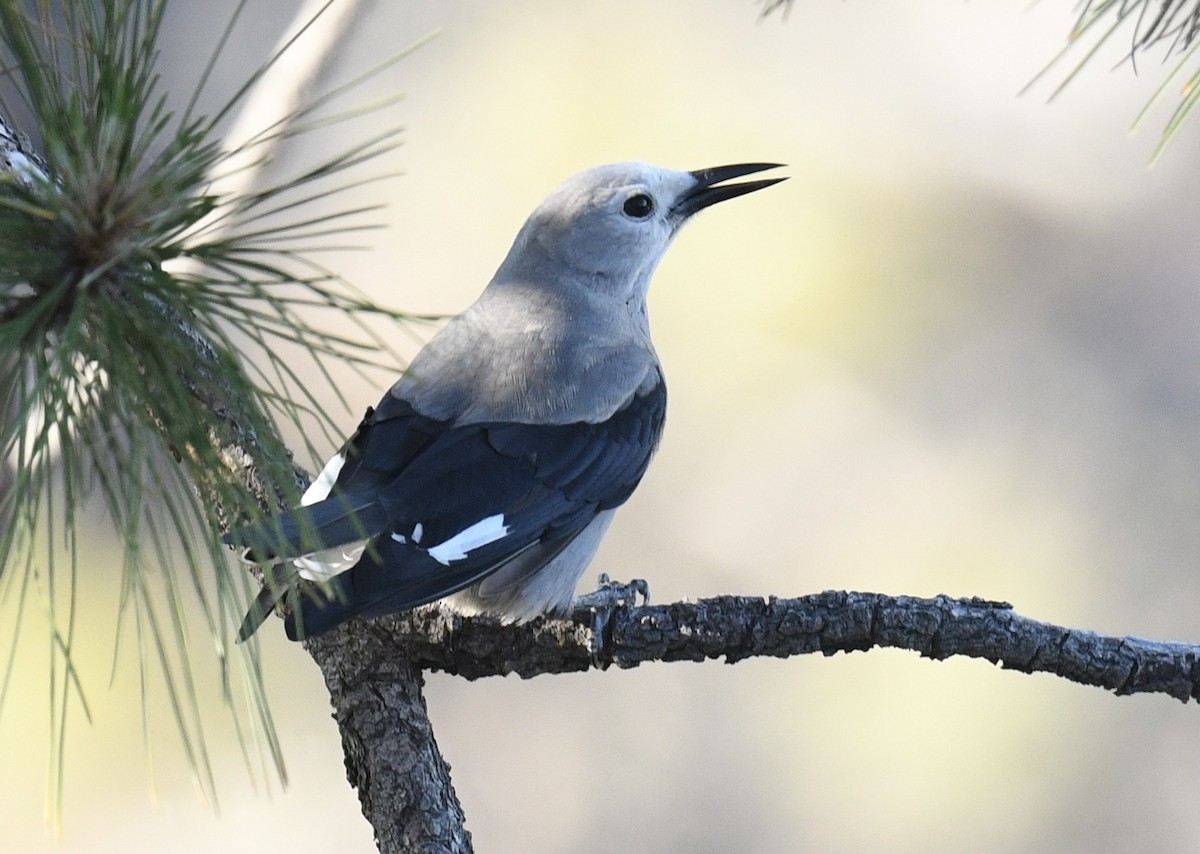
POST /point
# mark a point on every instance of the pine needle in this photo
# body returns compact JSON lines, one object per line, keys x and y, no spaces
{"x":143,"y":303}
{"x":1168,"y":26}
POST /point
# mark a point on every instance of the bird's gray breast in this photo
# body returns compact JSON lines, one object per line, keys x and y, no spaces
{"x":526,"y":356}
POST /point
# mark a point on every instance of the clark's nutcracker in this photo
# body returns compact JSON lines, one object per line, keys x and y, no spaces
{"x":490,"y":471}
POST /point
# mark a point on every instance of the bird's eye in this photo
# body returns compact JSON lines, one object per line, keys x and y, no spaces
{"x":639,"y":206}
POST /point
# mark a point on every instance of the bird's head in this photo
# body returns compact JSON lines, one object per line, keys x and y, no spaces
{"x":607,"y":228}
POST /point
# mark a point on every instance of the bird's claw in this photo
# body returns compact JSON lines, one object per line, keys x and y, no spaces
{"x":611,"y":594}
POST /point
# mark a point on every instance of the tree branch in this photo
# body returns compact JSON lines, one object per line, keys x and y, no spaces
{"x":738,"y":627}
{"x":391,"y":757}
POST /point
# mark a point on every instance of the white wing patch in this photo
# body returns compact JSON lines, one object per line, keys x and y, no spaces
{"x":325,"y":564}
{"x":319,"y":489}
{"x":416,"y":534}
{"x":480,"y":534}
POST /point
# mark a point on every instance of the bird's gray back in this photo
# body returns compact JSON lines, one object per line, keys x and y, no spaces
{"x":533,"y":354}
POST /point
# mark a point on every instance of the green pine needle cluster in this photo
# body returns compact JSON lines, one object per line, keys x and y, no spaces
{"x":1171,"y":26}
{"x":141,"y":320}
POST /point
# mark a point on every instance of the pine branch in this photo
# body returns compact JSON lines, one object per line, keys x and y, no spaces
{"x":740,"y":627}
{"x":1175,"y":23}
{"x":392,"y":758}
{"x":126,"y":277}
{"x":373,"y":671}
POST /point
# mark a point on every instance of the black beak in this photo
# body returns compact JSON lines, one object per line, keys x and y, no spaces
{"x":709,"y":188}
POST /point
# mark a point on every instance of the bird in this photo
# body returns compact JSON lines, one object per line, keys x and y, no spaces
{"x":488,"y":474}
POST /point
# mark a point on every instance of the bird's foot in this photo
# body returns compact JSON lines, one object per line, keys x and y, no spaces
{"x":609,"y":596}
{"x":613,"y":594}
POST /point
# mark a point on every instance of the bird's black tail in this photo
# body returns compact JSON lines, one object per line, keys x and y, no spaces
{"x":311,"y":609}
{"x":319,"y":611}
{"x":264,"y":603}
{"x":341,"y":519}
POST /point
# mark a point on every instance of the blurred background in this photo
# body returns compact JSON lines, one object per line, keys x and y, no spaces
{"x":956,"y":353}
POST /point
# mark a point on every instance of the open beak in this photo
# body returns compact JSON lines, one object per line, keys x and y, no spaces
{"x":710,"y":187}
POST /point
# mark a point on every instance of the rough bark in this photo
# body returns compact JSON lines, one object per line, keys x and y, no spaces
{"x":391,"y":756}
{"x":738,"y":627}
{"x":392,"y":759}
{"x":373,"y":671}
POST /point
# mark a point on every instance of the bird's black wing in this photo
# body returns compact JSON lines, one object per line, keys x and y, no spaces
{"x":524,"y":487}
{"x":387,"y":440}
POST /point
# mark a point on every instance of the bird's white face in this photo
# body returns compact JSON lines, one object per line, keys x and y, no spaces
{"x":612,"y":224}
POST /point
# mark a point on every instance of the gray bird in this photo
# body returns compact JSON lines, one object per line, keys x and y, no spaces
{"x":490,"y":471}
